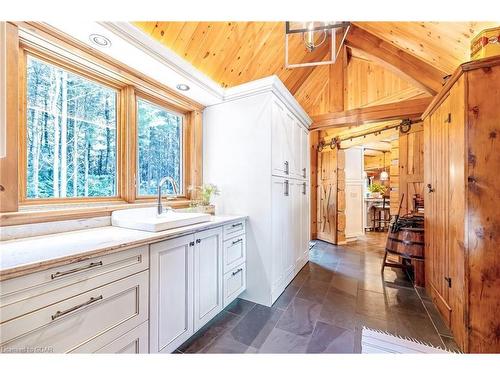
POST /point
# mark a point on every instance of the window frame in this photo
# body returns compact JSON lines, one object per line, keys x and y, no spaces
{"x":48,"y":43}
{"x":69,"y":66}
{"x":140,"y":95}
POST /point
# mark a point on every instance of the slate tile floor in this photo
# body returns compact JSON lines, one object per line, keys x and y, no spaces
{"x":325,"y":307}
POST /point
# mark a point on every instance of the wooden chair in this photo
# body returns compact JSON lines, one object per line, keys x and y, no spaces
{"x":381,"y":216}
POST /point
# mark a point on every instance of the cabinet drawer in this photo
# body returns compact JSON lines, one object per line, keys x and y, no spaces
{"x":235,"y":282}
{"x":234,"y":252}
{"x":135,"y":341}
{"x":93,"y":318}
{"x":28,"y":293}
{"x":234,"y":229}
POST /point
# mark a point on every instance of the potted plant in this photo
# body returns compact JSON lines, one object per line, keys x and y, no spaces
{"x":202,"y":198}
{"x":376,"y":190}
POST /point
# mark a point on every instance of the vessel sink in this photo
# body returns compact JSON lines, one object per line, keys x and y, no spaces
{"x":147,"y":219}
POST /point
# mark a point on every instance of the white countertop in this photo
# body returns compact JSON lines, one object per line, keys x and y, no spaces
{"x":23,"y":256}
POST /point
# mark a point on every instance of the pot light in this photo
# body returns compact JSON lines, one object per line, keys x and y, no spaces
{"x":100,"y":40}
{"x":182,"y":87}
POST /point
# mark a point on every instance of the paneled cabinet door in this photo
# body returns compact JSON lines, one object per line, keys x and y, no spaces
{"x":305,"y":221}
{"x":280,"y":194}
{"x":171,"y":293}
{"x":279,"y":153}
{"x":295,"y":220}
{"x":304,"y":153}
{"x":208,"y":294}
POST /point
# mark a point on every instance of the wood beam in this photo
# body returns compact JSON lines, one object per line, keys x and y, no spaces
{"x":337,"y":84}
{"x":405,"y":65}
{"x":299,"y":75}
{"x":411,"y":109}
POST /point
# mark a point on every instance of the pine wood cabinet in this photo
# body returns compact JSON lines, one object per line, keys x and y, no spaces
{"x":461,"y":163}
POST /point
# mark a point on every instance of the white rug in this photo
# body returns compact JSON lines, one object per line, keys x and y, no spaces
{"x":374,"y":341}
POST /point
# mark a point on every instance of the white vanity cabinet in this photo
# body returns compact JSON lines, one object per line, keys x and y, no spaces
{"x":191,"y":281}
{"x":80,"y":307}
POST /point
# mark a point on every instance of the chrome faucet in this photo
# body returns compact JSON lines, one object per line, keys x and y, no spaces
{"x":174,"y":187}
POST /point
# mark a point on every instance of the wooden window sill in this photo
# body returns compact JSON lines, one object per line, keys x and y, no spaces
{"x":56,"y":212}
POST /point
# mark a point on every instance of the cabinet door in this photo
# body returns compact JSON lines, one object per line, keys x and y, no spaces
{"x":279,"y":217}
{"x":295,"y":221}
{"x":304,"y":152}
{"x":207,"y":276}
{"x":295,"y":146}
{"x":279,"y":153}
{"x":171,"y":291}
{"x":437,"y":222}
{"x":305,"y":221}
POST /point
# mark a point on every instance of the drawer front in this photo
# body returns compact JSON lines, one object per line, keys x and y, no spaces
{"x":135,"y":341}
{"x":234,"y":252}
{"x":235,"y":282}
{"x":99,"y":315}
{"x":28,"y":293}
{"x":234,"y":229}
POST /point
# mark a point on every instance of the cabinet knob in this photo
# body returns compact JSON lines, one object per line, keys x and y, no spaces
{"x":191,"y":243}
{"x":198,"y":240}
{"x":431,"y":189}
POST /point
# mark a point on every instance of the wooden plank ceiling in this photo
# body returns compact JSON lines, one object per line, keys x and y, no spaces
{"x":387,"y":61}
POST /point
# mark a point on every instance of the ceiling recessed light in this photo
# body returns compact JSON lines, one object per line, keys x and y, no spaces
{"x":182,"y":87}
{"x":100,"y":40}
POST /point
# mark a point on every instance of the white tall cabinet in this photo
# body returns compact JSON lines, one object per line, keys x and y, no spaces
{"x":255,"y":148}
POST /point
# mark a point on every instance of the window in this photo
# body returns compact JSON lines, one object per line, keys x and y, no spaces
{"x":159,"y":147}
{"x":71,"y":131}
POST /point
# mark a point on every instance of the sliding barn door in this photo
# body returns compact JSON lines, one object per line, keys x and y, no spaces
{"x":327,"y":196}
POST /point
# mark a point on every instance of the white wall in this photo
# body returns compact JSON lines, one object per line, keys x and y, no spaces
{"x":354,"y":193}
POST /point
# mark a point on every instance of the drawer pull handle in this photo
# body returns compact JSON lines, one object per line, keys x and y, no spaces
{"x":304,"y":173}
{"x":237,"y":271}
{"x":74,"y":308}
{"x":237,"y":225}
{"x":287,"y":167}
{"x":64,"y":273}
{"x":237,"y":241}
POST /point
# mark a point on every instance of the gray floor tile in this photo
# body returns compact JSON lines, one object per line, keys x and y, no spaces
{"x":327,"y":338}
{"x":286,"y":297}
{"x":344,"y":284}
{"x":339,"y":309}
{"x":313,"y":290}
{"x":299,"y":318}
{"x":280,"y":341}
{"x":256,"y":325}
{"x":216,"y":327}
{"x":240,"y":306}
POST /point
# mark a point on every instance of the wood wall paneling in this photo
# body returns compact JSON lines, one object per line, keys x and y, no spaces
{"x":394,"y":194}
{"x":419,"y":72}
{"x":411,"y":166}
{"x":483,"y":220}
{"x":445,"y":45}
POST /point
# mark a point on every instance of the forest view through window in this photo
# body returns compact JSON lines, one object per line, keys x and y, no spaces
{"x":159,"y":147}
{"x":71,"y":134}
